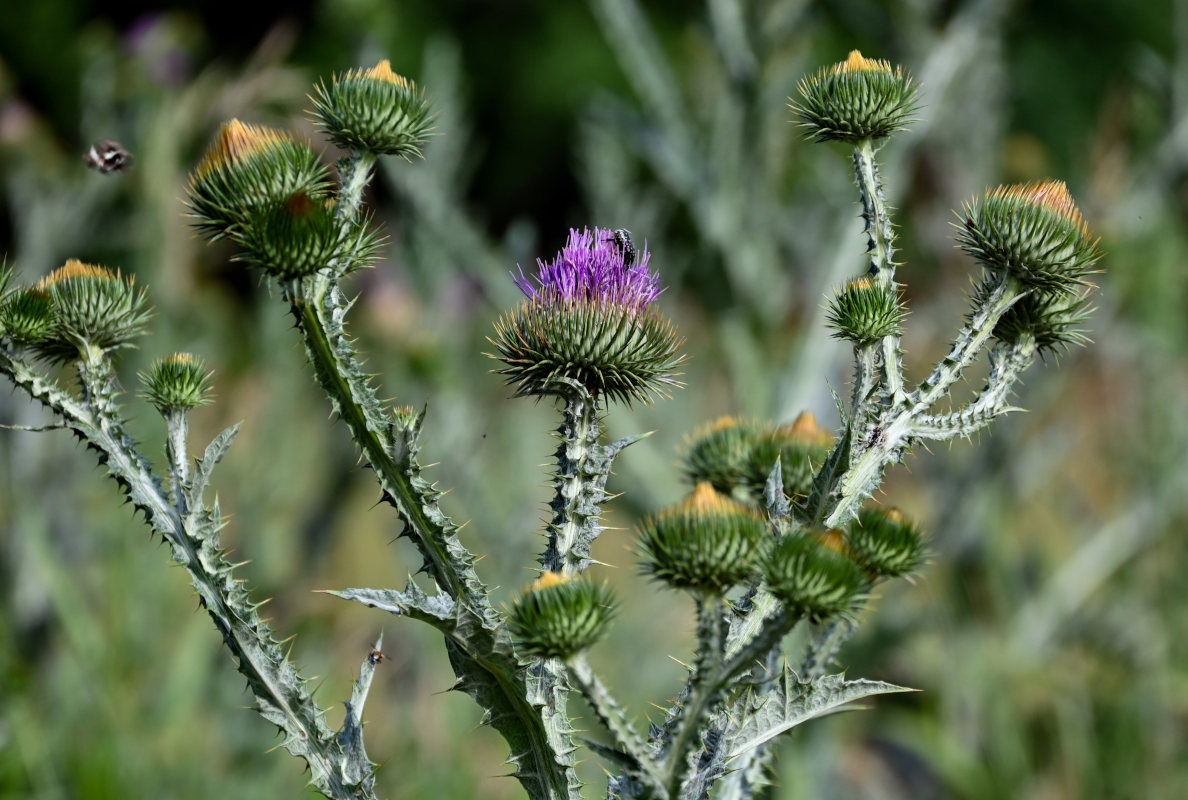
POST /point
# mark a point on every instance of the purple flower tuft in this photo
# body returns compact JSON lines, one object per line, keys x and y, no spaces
{"x":594,"y":267}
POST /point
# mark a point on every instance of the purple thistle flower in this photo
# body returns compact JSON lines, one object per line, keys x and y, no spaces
{"x":593,"y":267}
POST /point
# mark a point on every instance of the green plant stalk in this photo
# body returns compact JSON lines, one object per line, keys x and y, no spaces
{"x":880,"y":238}
{"x":279,"y":690}
{"x":888,"y":437}
{"x":613,"y":718}
{"x":1007,"y":364}
{"x":177,"y":429}
{"x":388,"y":445}
{"x":575,"y":504}
{"x":705,"y":691}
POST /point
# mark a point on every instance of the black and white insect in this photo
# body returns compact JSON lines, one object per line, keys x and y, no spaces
{"x":108,"y":156}
{"x":624,"y":243}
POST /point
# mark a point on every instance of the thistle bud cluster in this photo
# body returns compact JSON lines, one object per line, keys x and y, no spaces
{"x":736,"y":456}
{"x":76,"y":310}
{"x":271,"y":194}
{"x":1034,"y":235}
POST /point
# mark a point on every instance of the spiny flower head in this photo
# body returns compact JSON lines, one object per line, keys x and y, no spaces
{"x":801,"y":448}
{"x":1033,"y":232}
{"x":176,"y":383}
{"x":246,"y":169}
{"x":559,"y":616}
{"x":884,"y":543}
{"x":588,"y":325}
{"x":706,"y":543}
{"x":93,"y":309}
{"x":811,"y":578}
{"x":865,"y":311}
{"x":374,"y":111}
{"x":859,"y":98}
{"x":719,"y":451}
{"x":593,"y":266}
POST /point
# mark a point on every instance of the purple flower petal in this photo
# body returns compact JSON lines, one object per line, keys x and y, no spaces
{"x":592,"y":267}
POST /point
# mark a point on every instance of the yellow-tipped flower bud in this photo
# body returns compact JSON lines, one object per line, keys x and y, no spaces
{"x":374,"y":111}
{"x":860,"y":98}
{"x":706,"y":543}
{"x":178,"y":382}
{"x":93,"y":309}
{"x":248,"y":169}
{"x":810,"y":578}
{"x":865,"y":311}
{"x":1032,"y":232}
{"x":557,"y":617}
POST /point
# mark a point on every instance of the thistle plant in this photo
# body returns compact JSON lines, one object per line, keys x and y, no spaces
{"x":778,"y":530}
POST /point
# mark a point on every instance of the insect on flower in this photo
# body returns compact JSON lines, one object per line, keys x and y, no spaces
{"x":624,"y":243}
{"x":108,"y":156}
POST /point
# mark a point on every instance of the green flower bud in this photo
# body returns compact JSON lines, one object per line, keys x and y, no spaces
{"x":706,"y":543}
{"x":93,"y":308}
{"x":1052,"y":320}
{"x":802,"y":448}
{"x":885,"y":544}
{"x":293,"y":237}
{"x":375,"y":111}
{"x":865,"y":311}
{"x":860,"y":98}
{"x":178,"y":382}
{"x":1032,"y":232}
{"x":810,"y":578}
{"x":559,"y":617}
{"x":27,"y":317}
{"x":718,"y":453}
{"x":246,"y":169}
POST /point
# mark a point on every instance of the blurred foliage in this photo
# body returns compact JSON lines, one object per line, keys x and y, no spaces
{"x":1049,"y":634}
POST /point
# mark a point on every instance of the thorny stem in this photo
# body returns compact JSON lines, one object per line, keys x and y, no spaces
{"x":880,"y":238}
{"x":96,"y":421}
{"x":895,"y":428}
{"x":177,"y":432}
{"x":572,"y":511}
{"x":611,"y":715}
{"x":321,"y":309}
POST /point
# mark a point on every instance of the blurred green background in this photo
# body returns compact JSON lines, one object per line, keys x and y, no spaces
{"x":1048,"y":635}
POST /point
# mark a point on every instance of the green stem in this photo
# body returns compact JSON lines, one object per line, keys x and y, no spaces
{"x":272,"y":679}
{"x":968,"y":344}
{"x":176,"y":434}
{"x":529,"y":702}
{"x":610,"y":713}
{"x":343,"y":379}
{"x":880,"y":238}
{"x":578,"y":489}
{"x":355,"y":174}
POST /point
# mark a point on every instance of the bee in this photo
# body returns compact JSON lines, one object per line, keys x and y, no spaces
{"x":624,"y":243}
{"x":375,"y":656}
{"x":108,"y":156}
